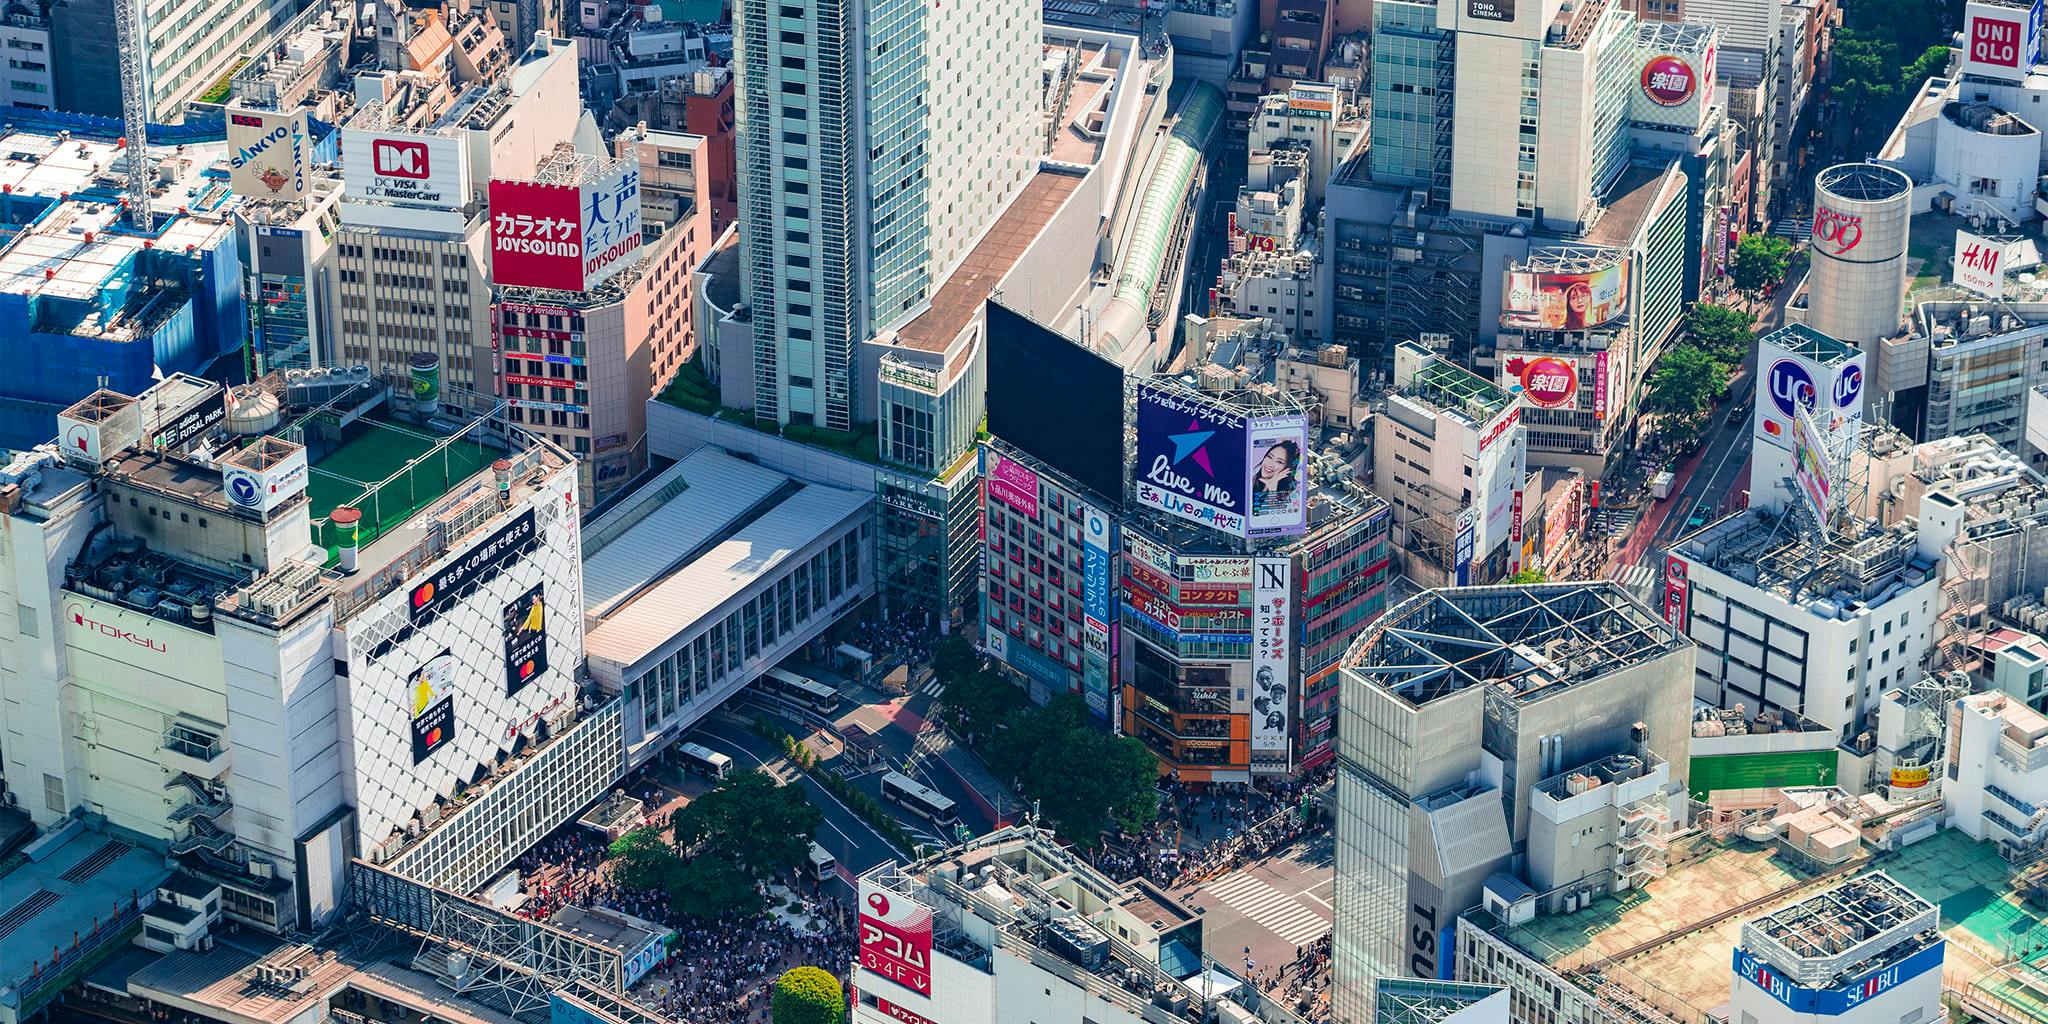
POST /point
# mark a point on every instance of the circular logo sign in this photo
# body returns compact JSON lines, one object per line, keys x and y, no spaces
{"x":1789,"y":381}
{"x":1669,"y":81}
{"x":1848,"y":387}
{"x":1549,"y":382}
{"x":242,"y":491}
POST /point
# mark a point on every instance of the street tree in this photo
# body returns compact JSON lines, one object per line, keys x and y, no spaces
{"x":1682,"y":390}
{"x":762,"y":827}
{"x":1527,"y":576}
{"x":1759,"y":263}
{"x":642,"y":860}
{"x":1724,"y":332}
{"x":955,"y":657}
{"x":708,"y":885}
{"x":980,"y":702}
{"x":1082,"y":779}
{"x":807,"y":995}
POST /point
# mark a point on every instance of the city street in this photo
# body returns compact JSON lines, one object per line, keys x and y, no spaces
{"x":1274,"y":905}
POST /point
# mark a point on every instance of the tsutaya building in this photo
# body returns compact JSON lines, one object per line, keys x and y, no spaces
{"x":215,"y":662}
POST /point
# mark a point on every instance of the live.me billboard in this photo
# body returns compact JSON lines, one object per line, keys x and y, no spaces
{"x":1191,"y":458}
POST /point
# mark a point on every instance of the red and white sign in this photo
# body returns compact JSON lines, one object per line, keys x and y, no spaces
{"x":1014,"y":484}
{"x":896,"y":938}
{"x":1515,"y":529}
{"x":1513,"y":417}
{"x":537,"y":382}
{"x":1980,"y":264}
{"x":895,"y":1012}
{"x":1995,"y":41}
{"x":1600,"y":385}
{"x":1835,"y":232}
{"x":1547,"y":382}
{"x":425,"y":171}
{"x":536,"y":235}
{"x":1669,"y":81}
{"x":1676,"y":591}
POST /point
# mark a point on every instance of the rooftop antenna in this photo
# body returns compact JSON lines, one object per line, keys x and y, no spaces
{"x":132,"y":38}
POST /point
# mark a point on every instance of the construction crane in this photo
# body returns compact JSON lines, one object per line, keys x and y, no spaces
{"x":132,"y":37}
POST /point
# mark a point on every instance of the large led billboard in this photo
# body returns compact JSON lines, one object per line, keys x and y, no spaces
{"x":1191,"y":458}
{"x":1279,"y":476}
{"x":1564,"y":302}
{"x":1052,"y":398}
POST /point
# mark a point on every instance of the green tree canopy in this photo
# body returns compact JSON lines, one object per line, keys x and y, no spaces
{"x":1685,"y":382}
{"x":1083,"y":779}
{"x":1874,"y":71}
{"x":978,"y":702}
{"x":642,"y":860}
{"x":1759,"y":262}
{"x":807,"y":995}
{"x":709,"y":885}
{"x":761,"y":826}
{"x":955,"y":657}
{"x":1724,"y":332}
{"x":1527,"y":576}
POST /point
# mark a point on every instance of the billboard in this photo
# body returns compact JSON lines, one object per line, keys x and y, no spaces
{"x":1677,"y":594}
{"x":1564,"y":302}
{"x":267,"y":153}
{"x":612,"y":233}
{"x":1980,"y":263}
{"x":526,"y":639}
{"x":536,"y":235}
{"x":1544,"y":381}
{"x":1057,"y":401}
{"x":1095,"y":606}
{"x":1791,"y":382}
{"x":1839,"y":999}
{"x":261,"y":490}
{"x":1600,"y":385}
{"x":1279,"y":476}
{"x":432,"y":691}
{"x":1490,"y":10}
{"x":895,"y":938}
{"x":1911,"y":778}
{"x":1206,"y":569}
{"x":1191,"y":459}
{"x":1272,"y":652}
{"x":1836,"y":232}
{"x":1461,"y":553}
{"x":2000,"y":41}
{"x":1810,"y":469}
{"x":482,"y":562}
{"x":1668,"y":80}
{"x":1013,"y":483}
{"x":404,"y":169}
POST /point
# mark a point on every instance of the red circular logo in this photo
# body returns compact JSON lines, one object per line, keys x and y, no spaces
{"x":1549,"y":382}
{"x":1668,"y":80}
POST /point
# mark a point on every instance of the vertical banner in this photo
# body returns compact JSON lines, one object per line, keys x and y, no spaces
{"x":526,"y":639}
{"x":896,"y":938}
{"x":1468,"y":533}
{"x":1095,"y":577}
{"x":1278,"y":468}
{"x":1272,"y":652}
{"x":1676,"y":592}
{"x":1600,"y":385}
{"x":433,"y":705}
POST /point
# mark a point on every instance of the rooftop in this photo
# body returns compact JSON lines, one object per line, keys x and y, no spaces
{"x":1632,"y":201}
{"x":665,"y":522}
{"x":959,"y":300}
{"x":249,"y":978}
{"x":1528,"y":641}
{"x":1864,"y":910}
{"x":1860,"y":566}
{"x":83,"y":883}
{"x":1807,"y":343}
{"x":1448,"y":387}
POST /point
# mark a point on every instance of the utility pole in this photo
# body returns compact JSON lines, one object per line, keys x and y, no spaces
{"x":132,"y":38}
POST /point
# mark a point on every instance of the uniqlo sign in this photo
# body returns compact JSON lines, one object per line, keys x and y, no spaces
{"x":536,"y":235}
{"x":1995,"y":41}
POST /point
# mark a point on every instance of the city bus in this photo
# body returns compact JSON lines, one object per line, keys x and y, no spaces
{"x":796,"y":689}
{"x":921,"y":800}
{"x":821,"y":865}
{"x":704,"y":761}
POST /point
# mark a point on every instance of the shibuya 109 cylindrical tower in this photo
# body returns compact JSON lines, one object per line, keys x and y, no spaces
{"x":1857,"y":281}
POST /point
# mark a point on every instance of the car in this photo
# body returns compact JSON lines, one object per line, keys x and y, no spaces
{"x":1699,"y":519}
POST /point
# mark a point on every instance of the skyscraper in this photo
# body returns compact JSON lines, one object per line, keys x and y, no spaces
{"x":870,"y":161}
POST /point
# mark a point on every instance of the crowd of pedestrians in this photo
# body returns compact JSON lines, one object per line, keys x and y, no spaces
{"x":725,"y":971}
{"x":895,"y":640}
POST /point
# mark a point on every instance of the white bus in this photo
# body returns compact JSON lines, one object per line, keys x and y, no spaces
{"x":796,"y":689}
{"x":822,"y":865}
{"x":704,"y":761}
{"x":919,"y":799}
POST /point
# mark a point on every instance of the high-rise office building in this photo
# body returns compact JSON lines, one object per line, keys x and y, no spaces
{"x":870,"y":162}
{"x":191,"y":44}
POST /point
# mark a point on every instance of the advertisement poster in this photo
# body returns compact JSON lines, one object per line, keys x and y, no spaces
{"x":1600,"y":385}
{"x":1095,"y":605}
{"x":1014,"y":484}
{"x":1980,"y":264}
{"x":1272,"y":650}
{"x":1676,"y":592}
{"x":1461,"y":555}
{"x":473,"y":566}
{"x":1565,"y":302}
{"x":1809,"y":468}
{"x":422,"y":171}
{"x":1209,"y":569}
{"x":267,"y":153}
{"x":536,"y":236}
{"x":433,"y":705}
{"x":1544,"y":381}
{"x":1668,"y":80}
{"x":895,"y":938}
{"x":1490,"y":10}
{"x":1279,"y":476}
{"x":1191,"y":459}
{"x":612,"y":231}
{"x":526,"y":639}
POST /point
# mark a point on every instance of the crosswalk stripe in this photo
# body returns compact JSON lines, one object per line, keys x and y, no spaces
{"x":1276,"y":911}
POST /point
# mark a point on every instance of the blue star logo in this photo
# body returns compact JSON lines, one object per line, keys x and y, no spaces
{"x":1191,"y":442}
